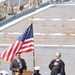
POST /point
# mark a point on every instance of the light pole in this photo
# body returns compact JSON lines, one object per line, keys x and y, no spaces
{"x":19,"y":6}
{"x":29,"y":3}
{"x":8,"y":8}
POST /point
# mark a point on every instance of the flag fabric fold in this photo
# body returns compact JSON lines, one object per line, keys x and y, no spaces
{"x":24,"y":44}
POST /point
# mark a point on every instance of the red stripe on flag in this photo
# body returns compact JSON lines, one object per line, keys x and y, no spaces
{"x":27,"y":51}
{"x":3,"y":54}
{"x":8,"y":53}
{"x":28,"y":41}
{"x":16,"y":49}
{"x":27,"y":46}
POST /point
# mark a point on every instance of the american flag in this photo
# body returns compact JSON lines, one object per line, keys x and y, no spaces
{"x":24,"y":44}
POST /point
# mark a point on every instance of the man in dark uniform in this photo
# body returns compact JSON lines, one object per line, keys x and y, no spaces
{"x":18,"y":65}
{"x":36,"y":70}
{"x":57,"y":66}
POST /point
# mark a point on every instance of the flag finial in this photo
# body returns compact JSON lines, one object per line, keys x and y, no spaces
{"x":32,"y":19}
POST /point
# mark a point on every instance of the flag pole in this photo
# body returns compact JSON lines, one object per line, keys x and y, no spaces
{"x":34,"y":50}
{"x":33,"y":58}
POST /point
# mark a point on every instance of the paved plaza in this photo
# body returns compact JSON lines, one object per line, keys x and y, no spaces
{"x":54,"y":30}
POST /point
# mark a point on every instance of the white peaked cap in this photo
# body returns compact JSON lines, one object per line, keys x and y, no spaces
{"x":3,"y":72}
{"x":36,"y":68}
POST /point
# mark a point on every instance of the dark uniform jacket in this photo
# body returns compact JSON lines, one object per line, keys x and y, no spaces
{"x":36,"y":74}
{"x":55,"y":69}
{"x":15,"y":65}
